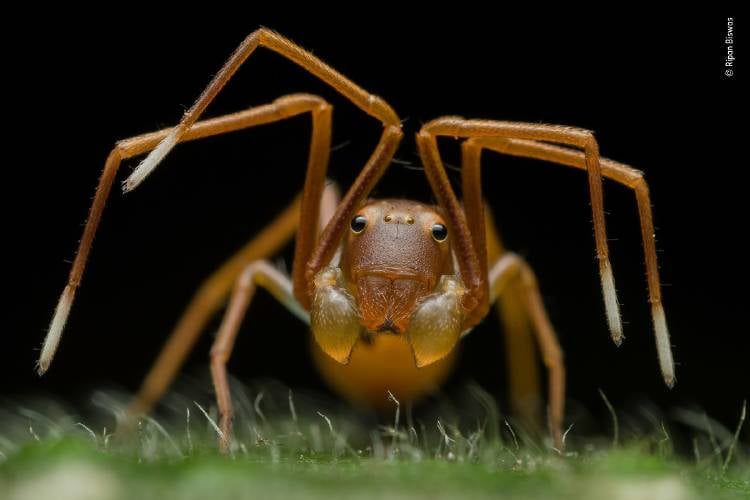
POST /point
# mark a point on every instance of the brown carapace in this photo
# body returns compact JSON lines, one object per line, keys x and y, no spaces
{"x":388,"y":287}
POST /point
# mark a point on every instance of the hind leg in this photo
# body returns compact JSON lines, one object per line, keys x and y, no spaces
{"x":513,"y":284}
{"x":518,"y":332}
{"x":213,"y":294}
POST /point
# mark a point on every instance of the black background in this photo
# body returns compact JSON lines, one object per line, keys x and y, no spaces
{"x":653,"y":89}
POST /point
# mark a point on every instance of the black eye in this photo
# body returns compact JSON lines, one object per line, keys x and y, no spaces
{"x":439,"y":232}
{"x":358,"y":223}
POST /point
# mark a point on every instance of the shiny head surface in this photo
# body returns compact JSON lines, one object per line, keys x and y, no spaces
{"x":393,"y":256}
{"x":395,"y":277}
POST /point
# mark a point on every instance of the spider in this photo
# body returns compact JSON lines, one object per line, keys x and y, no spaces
{"x":387,"y":287}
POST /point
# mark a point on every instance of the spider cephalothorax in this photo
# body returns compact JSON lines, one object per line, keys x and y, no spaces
{"x":396,"y":276}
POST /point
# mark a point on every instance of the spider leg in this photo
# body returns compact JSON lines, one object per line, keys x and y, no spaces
{"x":282,"y":108}
{"x":521,"y":358}
{"x":518,"y":333}
{"x":313,"y":250}
{"x":372,"y":171}
{"x":263,"y":37}
{"x":213,"y":294}
{"x":466,"y":243}
{"x":623,"y":174}
{"x":253,"y":274}
{"x":511,"y":274}
{"x":259,"y":273}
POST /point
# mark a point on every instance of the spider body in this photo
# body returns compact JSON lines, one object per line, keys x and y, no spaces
{"x":387,"y":286}
{"x":392,"y":261}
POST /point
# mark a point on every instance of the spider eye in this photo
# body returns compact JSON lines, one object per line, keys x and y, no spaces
{"x":439,"y":232}
{"x":358,"y":223}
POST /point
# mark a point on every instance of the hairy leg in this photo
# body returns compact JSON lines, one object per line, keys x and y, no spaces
{"x":470,"y":264}
{"x":259,"y":273}
{"x":619,"y":172}
{"x":318,"y":254}
{"x":212,"y":295}
{"x":521,"y":357}
{"x":522,"y":363}
{"x":280,"y":109}
{"x":511,"y":274}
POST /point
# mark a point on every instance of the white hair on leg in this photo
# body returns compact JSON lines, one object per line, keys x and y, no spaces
{"x":610,"y":301}
{"x":663,"y":347}
{"x":56,"y":328}
{"x":150,"y":162}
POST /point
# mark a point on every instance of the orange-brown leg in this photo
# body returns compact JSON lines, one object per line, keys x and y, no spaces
{"x":213,"y":294}
{"x":521,"y":357}
{"x":470,"y":263}
{"x":259,"y":273}
{"x":280,"y":109}
{"x":263,"y":274}
{"x":511,"y":274}
{"x":522,"y":363}
{"x":310,"y":256}
{"x":207,"y":300}
{"x":263,"y":37}
{"x":622,"y":174}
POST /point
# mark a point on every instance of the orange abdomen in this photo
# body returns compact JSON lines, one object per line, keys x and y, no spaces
{"x":385,"y":364}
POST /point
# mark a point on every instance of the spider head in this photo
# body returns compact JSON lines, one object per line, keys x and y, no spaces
{"x":393,"y":256}
{"x":393,"y":264}
{"x":395,"y":278}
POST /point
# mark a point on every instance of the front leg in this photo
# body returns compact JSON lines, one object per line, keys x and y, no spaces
{"x":280,"y":286}
{"x":471,"y":263}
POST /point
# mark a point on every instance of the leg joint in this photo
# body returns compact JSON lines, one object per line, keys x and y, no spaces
{"x":219,"y":354}
{"x":250,"y":273}
{"x":590,"y":144}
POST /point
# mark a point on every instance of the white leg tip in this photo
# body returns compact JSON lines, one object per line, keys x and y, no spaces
{"x":611,"y":306}
{"x":150,"y":162}
{"x":41,"y":367}
{"x":663,"y":347}
{"x":56,"y":328}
